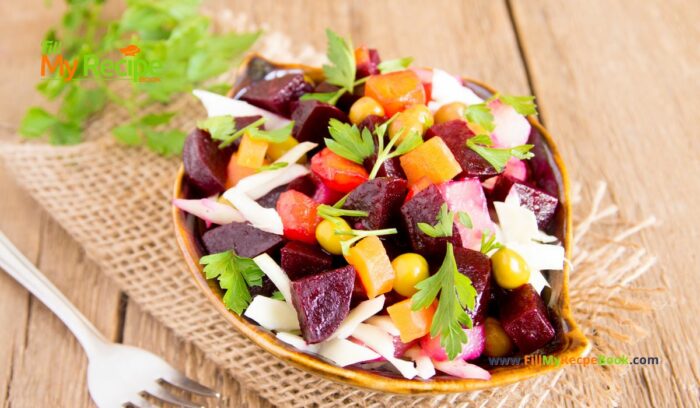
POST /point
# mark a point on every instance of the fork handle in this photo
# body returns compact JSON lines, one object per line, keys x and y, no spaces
{"x":20,"y":268}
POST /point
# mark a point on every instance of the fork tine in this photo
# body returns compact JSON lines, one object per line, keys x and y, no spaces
{"x":165,"y":395}
{"x":180,"y":381}
{"x":140,"y":402}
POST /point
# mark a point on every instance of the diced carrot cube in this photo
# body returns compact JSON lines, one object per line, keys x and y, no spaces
{"x":411,"y":324}
{"x":235,"y":172}
{"x":373,"y":266}
{"x":395,"y":91}
{"x":251,"y":152}
{"x":433,"y":159}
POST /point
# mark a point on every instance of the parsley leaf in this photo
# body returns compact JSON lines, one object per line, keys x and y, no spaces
{"x":341,"y":71}
{"x":325,"y":97}
{"x":498,"y":157}
{"x":235,"y":275}
{"x":456,"y":294}
{"x":488,"y":242}
{"x":480,"y":114}
{"x":35,"y":122}
{"x":445,"y":220}
{"x":239,"y":133}
{"x":219,"y":127}
{"x":272,"y":136}
{"x":347,"y":141}
{"x":410,"y":142}
{"x":277,"y":295}
{"x":166,"y":142}
{"x":524,"y":105}
{"x":273,"y":166}
{"x":398,"y":64}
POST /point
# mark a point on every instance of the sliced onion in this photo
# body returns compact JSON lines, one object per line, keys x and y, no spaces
{"x":276,"y":275}
{"x":385,"y":323}
{"x":272,"y":314}
{"x":259,"y":184}
{"x":462,"y":369}
{"x":266,"y":219}
{"x":518,"y":224}
{"x":297,"y":342}
{"x":383,"y":343}
{"x":537,"y":280}
{"x":540,"y":256}
{"x":297,"y":152}
{"x":344,"y":352}
{"x":218,"y":105}
{"x":446,"y":89}
{"x":209,"y":210}
{"x":359,"y":314}
{"x":424,"y":365}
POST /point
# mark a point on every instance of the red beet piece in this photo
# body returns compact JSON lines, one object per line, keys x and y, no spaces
{"x":322,"y":302}
{"x":244,"y":239}
{"x":299,"y":260}
{"x":424,"y":207}
{"x":381,"y":198}
{"x":311,"y":120}
{"x":542,"y":204}
{"x":390,"y":168}
{"x":205,"y":164}
{"x":477,"y":267}
{"x":276,"y":94}
{"x":371,"y":122}
{"x":370,"y":66}
{"x":269,"y":200}
{"x":455,"y":134}
{"x":525,"y":319}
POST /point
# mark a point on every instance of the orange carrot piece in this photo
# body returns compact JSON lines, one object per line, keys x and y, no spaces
{"x":433,"y":159}
{"x":251,"y":152}
{"x":411,"y":324}
{"x":373,"y":266}
{"x":235,"y":172}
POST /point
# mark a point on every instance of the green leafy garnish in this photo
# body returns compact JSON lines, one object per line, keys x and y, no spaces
{"x":273,"y":166}
{"x":341,"y":71}
{"x":325,"y":97}
{"x":524,"y":105}
{"x":272,"y":136}
{"x":348,"y":142}
{"x":235,"y":275}
{"x":444,"y":222}
{"x":359,"y":234}
{"x":327,"y":212}
{"x":412,"y":140}
{"x":398,"y":64}
{"x":232,"y":138}
{"x":219,"y":127}
{"x":277,"y":295}
{"x":171,"y":33}
{"x":480,"y":114}
{"x":498,"y":158}
{"x":456,"y":294}
{"x":488,"y":242}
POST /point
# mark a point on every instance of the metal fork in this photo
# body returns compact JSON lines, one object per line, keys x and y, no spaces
{"x":118,"y":375}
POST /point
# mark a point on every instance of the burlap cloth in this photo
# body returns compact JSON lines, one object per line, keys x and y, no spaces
{"x":115,"y":201}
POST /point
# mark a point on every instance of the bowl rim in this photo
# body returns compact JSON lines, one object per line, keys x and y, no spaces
{"x":574,"y":342}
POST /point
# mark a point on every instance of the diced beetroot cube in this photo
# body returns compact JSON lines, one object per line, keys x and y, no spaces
{"x":367,"y":61}
{"x":322,"y":302}
{"x":390,"y":168}
{"x":455,"y":134}
{"x":311,"y":120}
{"x":304,"y":184}
{"x":323,"y":194}
{"x":371,"y":122}
{"x":269,"y":200}
{"x":468,"y":196}
{"x":299,"y":217}
{"x":345,"y":101}
{"x":542,"y":204}
{"x":205,"y":164}
{"x":381,"y":198}
{"x":477,"y":267}
{"x":276,"y":94}
{"x":244,"y":239}
{"x":525,"y":319}
{"x":299,"y":260}
{"x":424,"y":207}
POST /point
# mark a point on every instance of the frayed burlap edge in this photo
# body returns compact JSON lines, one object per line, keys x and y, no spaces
{"x":115,"y":202}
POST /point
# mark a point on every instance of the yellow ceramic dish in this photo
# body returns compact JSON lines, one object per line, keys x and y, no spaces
{"x":571,"y":342}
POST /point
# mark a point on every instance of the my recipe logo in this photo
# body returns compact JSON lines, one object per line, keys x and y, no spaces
{"x":551,"y":360}
{"x":130,"y":66}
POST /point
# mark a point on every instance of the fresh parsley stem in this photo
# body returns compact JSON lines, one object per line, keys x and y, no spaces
{"x":238,"y":134}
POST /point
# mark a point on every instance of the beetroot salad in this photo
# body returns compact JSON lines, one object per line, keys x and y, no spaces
{"x":385,"y":217}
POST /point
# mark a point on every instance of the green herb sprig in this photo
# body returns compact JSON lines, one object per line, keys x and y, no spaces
{"x":360,"y":234}
{"x":488,"y":242}
{"x":172,"y":32}
{"x":327,"y":212}
{"x":444,"y":222}
{"x":498,"y":158}
{"x":412,"y":140}
{"x":398,"y":64}
{"x":235,"y":274}
{"x":347,"y":141}
{"x":456,"y":294}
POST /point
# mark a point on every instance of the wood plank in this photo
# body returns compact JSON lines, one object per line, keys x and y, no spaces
{"x":142,"y":330}
{"x":618,"y":85}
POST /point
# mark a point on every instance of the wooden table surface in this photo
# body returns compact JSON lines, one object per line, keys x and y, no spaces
{"x":618,"y":85}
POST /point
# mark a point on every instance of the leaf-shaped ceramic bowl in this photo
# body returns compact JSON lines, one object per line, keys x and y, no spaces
{"x":548,"y":168}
